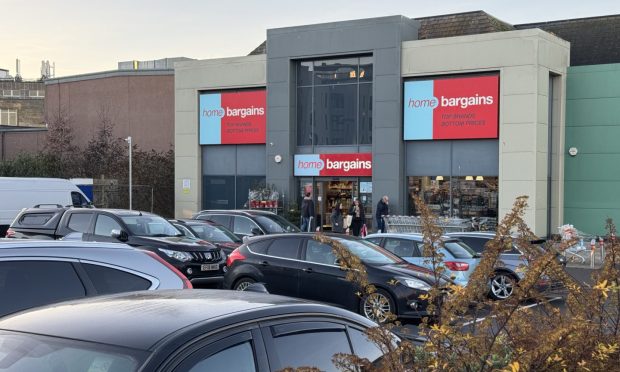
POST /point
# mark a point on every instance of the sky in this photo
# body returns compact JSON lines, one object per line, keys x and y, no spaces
{"x":91,"y":36}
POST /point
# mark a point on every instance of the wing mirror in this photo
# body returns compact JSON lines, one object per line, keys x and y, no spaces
{"x":256,"y":231}
{"x":119,"y":234}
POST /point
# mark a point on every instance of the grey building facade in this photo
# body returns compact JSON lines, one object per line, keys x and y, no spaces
{"x":337,"y":101}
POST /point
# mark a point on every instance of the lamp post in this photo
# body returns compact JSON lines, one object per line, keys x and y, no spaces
{"x":128,"y":139}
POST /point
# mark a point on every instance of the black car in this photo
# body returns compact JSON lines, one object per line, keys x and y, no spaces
{"x":210,"y":231}
{"x":248,"y":222}
{"x":199,"y":260}
{"x":298,"y":265}
{"x":183,"y":330}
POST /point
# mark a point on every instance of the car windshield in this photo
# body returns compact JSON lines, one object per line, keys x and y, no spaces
{"x":369,"y":253}
{"x":150,"y":226}
{"x":274,"y":224}
{"x":459,"y":250}
{"x":213,"y":233}
{"x":21,"y":352}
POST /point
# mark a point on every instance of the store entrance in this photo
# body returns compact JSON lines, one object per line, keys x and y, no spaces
{"x":329,"y":193}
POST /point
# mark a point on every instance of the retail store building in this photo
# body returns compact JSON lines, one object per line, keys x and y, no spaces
{"x":364,"y":108}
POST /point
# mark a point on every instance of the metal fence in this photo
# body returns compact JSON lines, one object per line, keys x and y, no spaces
{"x":413,"y":224}
{"x":144,"y":198}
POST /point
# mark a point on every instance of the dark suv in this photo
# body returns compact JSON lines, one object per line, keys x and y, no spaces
{"x":248,"y":222}
{"x":201,"y":261}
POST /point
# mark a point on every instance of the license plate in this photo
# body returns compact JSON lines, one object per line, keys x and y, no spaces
{"x":209,"y":267}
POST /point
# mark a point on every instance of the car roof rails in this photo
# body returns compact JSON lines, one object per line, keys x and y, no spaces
{"x":53,"y":205}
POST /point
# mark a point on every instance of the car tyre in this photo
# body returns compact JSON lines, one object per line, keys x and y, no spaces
{"x":243,"y":283}
{"x":378,"y":306}
{"x":502,"y":286}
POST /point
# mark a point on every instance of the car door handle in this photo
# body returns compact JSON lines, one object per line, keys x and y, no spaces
{"x":264,"y":263}
{"x":309,"y":270}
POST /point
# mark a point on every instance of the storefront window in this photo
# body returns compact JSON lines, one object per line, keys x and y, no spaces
{"x":462,"y":197}
{"x":334,"y":102}
{"x":229,"y":192}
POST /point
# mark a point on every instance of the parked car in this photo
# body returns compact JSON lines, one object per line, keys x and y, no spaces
{"x":513,"y":265}
{"x":199,"y":260}
{"x":248,"y":222}
{"x":18,"y":193}
{"x":459,"y":260}
{"x":297,"y":265}
{"x":35,"y":273}
{"x":210,"y":231}
{"x":198,"y":330}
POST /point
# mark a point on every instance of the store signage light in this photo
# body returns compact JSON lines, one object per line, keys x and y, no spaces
{"x":451,"y":108}
{"x":333,"y":165}
{"x":233,"y":117}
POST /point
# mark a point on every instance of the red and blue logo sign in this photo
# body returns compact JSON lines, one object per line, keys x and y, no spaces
{"x":233,"y":117}
{"x":456,"y":108}
{"x":333,"y":165}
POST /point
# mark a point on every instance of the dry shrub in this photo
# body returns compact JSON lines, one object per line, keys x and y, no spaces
{"x":510,"y":337}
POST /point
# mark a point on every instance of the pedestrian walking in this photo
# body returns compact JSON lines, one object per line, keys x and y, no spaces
{"x":383,"y":209}
{"x":337,"y":219}
{"x":357,"y":212}
{"x":307,"y":211}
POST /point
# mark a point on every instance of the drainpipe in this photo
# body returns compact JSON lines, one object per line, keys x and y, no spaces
{"x":2,"y":156}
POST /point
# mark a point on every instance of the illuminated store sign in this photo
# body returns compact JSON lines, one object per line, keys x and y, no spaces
{"x":333,"y":165}
{"x":233,"y":117}
{"x":456,"y":108}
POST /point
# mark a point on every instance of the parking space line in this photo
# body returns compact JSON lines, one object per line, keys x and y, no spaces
{"x":477,"y":320}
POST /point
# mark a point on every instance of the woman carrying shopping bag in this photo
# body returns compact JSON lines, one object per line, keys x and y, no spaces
{"x":358,"y":218}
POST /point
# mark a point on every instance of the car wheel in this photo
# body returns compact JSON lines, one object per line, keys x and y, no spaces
{"x":378,"y":306}
{"x":502,"y":286}
{"x":243,"y":283}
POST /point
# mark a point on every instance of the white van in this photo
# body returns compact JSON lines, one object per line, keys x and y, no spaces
{"x":19,"y":193}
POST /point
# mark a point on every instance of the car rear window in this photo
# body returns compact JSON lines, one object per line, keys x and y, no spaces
{"x":36,"y":219}
{"x":108,"y":280}
{"x":459,"y":250}
{"x":29,"y":352}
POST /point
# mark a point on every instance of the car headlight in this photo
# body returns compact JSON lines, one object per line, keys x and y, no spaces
{"x":177,"y":255}
{"x":415,"y":283}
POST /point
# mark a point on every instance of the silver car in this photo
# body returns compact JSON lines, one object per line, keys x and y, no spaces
{"x":512,"y":265}
{"x":35,"y":273}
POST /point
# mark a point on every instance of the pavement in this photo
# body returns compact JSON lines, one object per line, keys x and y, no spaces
{"x":582,"y":273}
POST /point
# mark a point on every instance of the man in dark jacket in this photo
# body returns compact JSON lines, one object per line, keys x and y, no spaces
{"x":307,"y":211}
{"x":382,"y":210}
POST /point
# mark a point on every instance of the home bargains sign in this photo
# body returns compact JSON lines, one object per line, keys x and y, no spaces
{"x":333,"y":165}
{"x":231,"y":118}
{"x":458,"y":108}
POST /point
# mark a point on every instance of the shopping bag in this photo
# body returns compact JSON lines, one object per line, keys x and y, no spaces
{"x":347,"y":222}
{"x":363,"y":231}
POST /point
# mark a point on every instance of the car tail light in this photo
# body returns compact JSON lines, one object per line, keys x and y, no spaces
{"x":234,"y":256}
{"x":186,"y":283}
{"x":457,"y":266}
{"x":10,"y":233}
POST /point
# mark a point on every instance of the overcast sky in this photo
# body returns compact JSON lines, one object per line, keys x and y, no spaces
{"x":90,"y":36}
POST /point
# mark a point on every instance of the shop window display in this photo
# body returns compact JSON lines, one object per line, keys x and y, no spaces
{"x":462,"y":197}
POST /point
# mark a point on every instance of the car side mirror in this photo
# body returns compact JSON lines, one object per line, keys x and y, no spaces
{"x":119,"y":234}
{"x":256,"y":231}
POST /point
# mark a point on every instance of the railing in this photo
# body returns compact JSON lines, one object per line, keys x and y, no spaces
{"x":413,"y":224}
